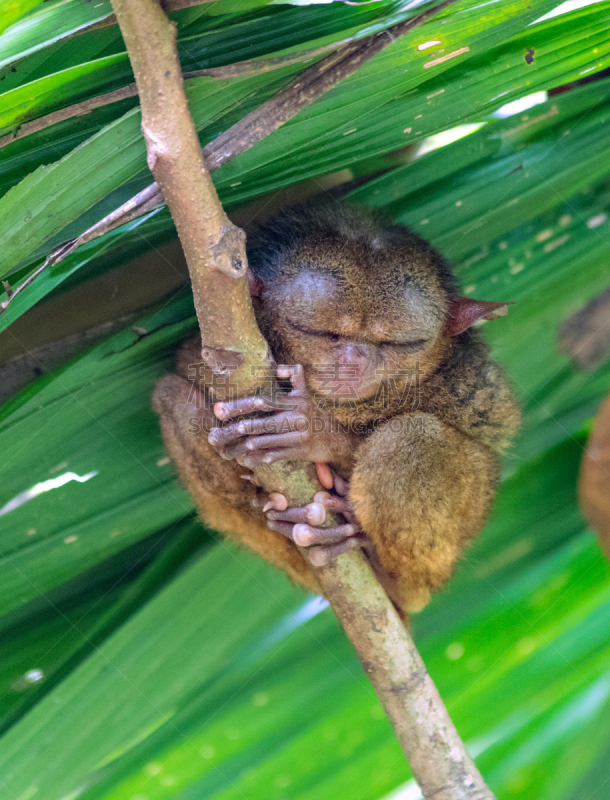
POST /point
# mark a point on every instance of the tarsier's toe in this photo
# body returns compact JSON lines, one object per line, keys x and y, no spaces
{"x":323,"y":554}
{"x":325,"y":544}
{"x":308,"y":535}
{"x":275,"y":501}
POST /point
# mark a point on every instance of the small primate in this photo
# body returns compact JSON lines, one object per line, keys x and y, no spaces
{"x":391,"y":394}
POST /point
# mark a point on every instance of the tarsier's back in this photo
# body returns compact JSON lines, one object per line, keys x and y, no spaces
{"x":396,"y":401}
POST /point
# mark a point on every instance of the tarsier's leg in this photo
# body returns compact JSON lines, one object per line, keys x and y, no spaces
{"x":223,"y":498}
{"x":421,"y":491}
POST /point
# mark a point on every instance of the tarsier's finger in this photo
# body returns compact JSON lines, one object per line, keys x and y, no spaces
{"x":325,"y":474}
{"x":333,"y":503}
{"x":296,"y":375}
{"x":286,"y":423}
{"x":281,"y":527}
{"x":233,"y":451}
{"x":254,"y":458}
{"x":306,"y":535}
{"x":330,"y":480}
{"x":248,"y":459}
{"x":247,"y":405}
{"x":289,"y":515}
{"x":278,"y":423}
{"x":277,"y":440}
{"x":341,"y":486}
{"x":275,"y":501}
{"x":269,"y":501}
{"x":320,"y":556}
{"x":314,"y":514}
{"x":221,"y":437}
{"x":321,"y":497}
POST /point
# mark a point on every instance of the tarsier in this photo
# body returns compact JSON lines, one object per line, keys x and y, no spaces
{"x":392,"y":394}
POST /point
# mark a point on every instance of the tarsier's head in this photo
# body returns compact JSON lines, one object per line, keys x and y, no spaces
{"x":353,"y":299}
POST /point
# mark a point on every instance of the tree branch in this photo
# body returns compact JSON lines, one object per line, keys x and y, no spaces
{"x":215,"y":255}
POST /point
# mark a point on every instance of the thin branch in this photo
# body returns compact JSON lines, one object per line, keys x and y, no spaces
{"x":215,"y":255}
{"x":143,"y":202}
{"x":56,"y":255}
{"x":177,"y":5}
{"x":271,"y":115}
{"x":253,"y":66}
{"x":258,"y":66}
{"x":76,"y":110}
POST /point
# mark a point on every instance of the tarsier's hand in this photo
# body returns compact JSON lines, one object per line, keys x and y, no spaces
{"x":302,"y":525}
{"x":288,"y":433}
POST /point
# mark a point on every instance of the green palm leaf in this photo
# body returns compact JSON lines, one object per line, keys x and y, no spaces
{"x":142,"y":659}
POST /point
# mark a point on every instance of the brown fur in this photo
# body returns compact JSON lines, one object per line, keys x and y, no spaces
{"x":423,"y":464}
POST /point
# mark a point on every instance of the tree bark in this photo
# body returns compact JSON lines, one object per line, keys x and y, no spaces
{"x":232,"y":343}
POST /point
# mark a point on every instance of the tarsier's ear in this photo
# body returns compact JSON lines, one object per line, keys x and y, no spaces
{"x":254,"y":284}
{"x":464,"y":312}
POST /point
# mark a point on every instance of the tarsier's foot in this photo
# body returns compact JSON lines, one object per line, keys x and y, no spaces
{"x":302,"y":525}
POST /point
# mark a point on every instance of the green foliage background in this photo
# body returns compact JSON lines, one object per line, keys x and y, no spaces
{"x":142,"y":659}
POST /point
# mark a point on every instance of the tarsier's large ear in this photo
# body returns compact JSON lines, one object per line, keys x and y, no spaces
{"x":464,"y":312}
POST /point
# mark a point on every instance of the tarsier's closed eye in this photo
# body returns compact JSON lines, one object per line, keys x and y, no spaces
{"x":416,"y":344}
{"x":334,"y":337}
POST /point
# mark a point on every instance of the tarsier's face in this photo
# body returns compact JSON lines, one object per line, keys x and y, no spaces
{"x":349,"y":345}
